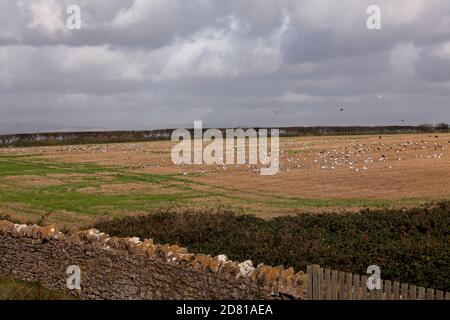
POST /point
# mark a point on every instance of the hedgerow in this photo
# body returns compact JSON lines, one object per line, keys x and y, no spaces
{"x":410,"y":245}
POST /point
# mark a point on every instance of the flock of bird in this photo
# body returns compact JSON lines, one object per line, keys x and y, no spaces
{"x":336,"y":153}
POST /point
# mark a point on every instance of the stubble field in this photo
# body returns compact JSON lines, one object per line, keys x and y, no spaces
{"x":75,"y":185}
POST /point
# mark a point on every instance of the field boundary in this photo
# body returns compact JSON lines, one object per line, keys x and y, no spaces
{"x":96,"y":137}
{"x":127,"y":268}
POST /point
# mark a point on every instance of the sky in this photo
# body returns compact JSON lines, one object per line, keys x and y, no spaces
{"x":143,"y":64}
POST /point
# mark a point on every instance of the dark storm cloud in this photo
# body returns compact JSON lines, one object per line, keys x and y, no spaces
{"x":156,"y":63}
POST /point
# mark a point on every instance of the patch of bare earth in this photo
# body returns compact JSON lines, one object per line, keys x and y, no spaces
{"x":33,"y":181}
{"x":130,"y":188}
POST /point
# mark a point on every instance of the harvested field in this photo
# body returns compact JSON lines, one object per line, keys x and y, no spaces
{"x":317,"y":173}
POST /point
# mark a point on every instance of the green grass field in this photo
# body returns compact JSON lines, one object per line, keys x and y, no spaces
{"x":12,"y":289}
{"x":73,"y":193}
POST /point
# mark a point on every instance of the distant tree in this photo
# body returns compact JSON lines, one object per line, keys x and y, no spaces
{"x":426,"y":127}
{"x":442,"y":126}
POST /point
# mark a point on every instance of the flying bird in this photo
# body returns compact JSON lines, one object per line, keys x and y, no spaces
{"x":275,"y":111}
{"x":341,"y":109}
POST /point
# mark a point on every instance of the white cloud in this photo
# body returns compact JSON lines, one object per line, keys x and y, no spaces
{"x":215,"y":53}
{"x":205,"y":55}
{"x":137,"y":12}
{"x":112,"y":64}
{"x":47,"y":16}
{"x":403,"y":12}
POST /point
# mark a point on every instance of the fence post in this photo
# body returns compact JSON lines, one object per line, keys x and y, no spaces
{"x":412,"y":293}
{"x":327,"y":284}
{"x":364,"y":288}
{"x":430,"y":294}
{"x":356,"y":287}
{"x":404,"y":294}
{"x":396,"y":290}
{"x":320,"y":283}
{"x":309,"y":272}
{"x":371,"y":294}
{"x":334,"y":285}
{"x":388,"y":289}
{"x":380,"y":291}
{"x":341,"y":292}
{"x":316,"y":269}
{"x":349,"y":286}
{"x":421,"y":293}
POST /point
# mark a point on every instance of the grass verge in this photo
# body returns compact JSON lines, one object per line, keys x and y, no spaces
{"x":12,"y":289}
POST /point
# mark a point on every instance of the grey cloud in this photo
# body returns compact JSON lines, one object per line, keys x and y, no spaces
{"x":142,"y":64}
{"x":433,"y":68}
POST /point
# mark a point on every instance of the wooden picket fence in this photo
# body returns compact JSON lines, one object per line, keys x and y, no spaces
{"x":326,"y":284}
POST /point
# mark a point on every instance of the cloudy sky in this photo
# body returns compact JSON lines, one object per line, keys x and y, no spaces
{"x":138,"y":64}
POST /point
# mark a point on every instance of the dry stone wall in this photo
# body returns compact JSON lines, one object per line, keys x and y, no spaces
{"x":127,"y":268}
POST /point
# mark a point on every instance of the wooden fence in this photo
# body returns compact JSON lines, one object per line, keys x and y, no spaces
{"x":326,"y":284}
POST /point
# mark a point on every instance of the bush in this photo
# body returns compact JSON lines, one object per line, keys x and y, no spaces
{"x":410,"y":246}
{"x":442,"y":126}
{"x":426,"y":127}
